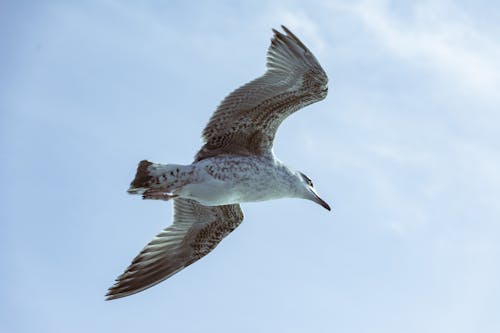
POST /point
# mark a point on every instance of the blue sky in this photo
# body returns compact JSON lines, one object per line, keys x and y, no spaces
{"x":405,"y":148}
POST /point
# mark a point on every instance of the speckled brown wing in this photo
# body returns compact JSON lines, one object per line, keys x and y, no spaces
{"x":196,"y":231}
{"x":246,"y":121}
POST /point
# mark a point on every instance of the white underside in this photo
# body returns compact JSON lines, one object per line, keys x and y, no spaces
{"x":248,"y":181}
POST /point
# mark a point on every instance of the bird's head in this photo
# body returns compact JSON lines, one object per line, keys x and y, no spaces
{"x":309,"y":192}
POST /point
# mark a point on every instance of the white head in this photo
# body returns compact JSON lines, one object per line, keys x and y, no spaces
{"x":308,"y":192}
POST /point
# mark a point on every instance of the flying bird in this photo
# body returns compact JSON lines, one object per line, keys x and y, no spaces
{"x":236,"y":164}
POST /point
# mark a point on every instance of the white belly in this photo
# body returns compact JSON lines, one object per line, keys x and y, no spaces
{"x":222,"y":182}
{"x":210,"y":194}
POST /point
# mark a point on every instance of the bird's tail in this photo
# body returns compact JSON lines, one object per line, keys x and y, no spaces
{"x":154,"y":177}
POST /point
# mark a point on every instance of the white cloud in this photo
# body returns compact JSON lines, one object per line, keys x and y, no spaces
{"x":301,"y":24}
{"x":305,"y":26}
{"x":437,"y":35}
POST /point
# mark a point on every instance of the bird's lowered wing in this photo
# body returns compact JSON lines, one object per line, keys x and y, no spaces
{"x":196,"y":231}
{"x":246,"y":121}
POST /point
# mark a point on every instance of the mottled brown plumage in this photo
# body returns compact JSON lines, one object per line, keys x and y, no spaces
{"x":244,"y":124}
{"x":246,"y":121}
{"x":196,"y":231}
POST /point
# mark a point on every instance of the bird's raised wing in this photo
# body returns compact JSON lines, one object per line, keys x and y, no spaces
{"x":196,"y":231}
{"x":246,"y":121}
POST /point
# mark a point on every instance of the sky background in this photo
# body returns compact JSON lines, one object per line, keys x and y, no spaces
{"x":406,"y":149}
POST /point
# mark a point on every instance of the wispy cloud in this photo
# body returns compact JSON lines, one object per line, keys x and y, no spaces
{"x":437,"y":35}
{"x":413,"y":161}
{"x":303,"y":25}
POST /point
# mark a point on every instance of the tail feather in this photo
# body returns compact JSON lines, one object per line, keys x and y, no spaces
{"x":142,"y":178}
{"x":153,"y":177}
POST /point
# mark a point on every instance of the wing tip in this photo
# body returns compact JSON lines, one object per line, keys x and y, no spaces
{"x":114,"y":291}
{"x":111,"y":295}
{"x":119,"y":290}
{"x":294,"y":37}
{"x":285,"y":29}
{"x":287,"y":46}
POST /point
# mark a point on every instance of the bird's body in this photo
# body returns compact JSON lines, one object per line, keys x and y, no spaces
{"x":236,"y":164}
{"x":224,"y":180}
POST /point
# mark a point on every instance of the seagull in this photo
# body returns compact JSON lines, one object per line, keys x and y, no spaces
{"x":236,"y":164}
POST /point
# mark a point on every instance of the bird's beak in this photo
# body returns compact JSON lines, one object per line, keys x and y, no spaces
{"x":320,"y":201}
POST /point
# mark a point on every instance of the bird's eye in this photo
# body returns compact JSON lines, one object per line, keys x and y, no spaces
{"x":307,"y":180}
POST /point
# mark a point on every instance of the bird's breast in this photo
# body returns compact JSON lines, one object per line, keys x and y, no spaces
{"x":228,"y":180}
